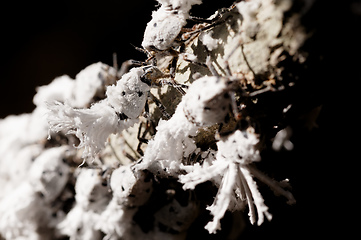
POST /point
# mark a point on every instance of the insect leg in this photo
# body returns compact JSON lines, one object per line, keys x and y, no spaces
{"x":208,"y":64}
{"x":149,"y":128}
{"x":115,"y":61}
{"x":141,"y":139}
{"x":274,"y":185}
{"x":236,"y":113}
{"x":159,"y":105}
{"x":194,"y":61}
{"x":202,"y":29}
{"x":172,"y":82}
{"x":127,"y":65}
{"x":211,"y":67}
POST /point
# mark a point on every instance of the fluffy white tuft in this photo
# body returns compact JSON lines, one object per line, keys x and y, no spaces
{"x":208,"y":106}
{"x":129,"y":95}
{"x":60,"y":89}
{"x":90,"y":82}
{"x":92,"y":126}
{"x":30,"y":206}
{"x":170,"y":144}
{"x":208,"y":41}
{"x":91,"y":199}
{"x":230,"y":172}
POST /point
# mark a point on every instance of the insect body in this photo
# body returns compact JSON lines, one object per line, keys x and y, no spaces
{"x":33,"y":205}
{"x":129,"y":95}
{"x":233,"y":173}
{"x":49,"y":173}
{"x":208,"y":101}
{"x":92,"y":190}
{"x":130,"y":188}
{"x":92,"y":196}
{"x":163,"y":31}
{"x":120,"y":109}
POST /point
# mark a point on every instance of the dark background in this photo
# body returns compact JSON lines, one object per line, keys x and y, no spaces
{"x":41,"y":40}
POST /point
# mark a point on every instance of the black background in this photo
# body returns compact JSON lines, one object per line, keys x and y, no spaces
{"x":41,"y":40}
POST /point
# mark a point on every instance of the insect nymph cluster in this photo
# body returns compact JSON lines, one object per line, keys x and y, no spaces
{"x":122,"y":153}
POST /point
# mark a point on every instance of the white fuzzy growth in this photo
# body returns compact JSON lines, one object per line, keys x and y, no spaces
{"x":91,"y":194}
{"x":60,"y":89}
{"x":12,"y":128}
{"x":208,"y":41}
{"x":223,"y":198}
{"x":262,"y":209}
{"x":189,"y":57}
{"x":79,"y":224}
{"x":29,"y":207}
{"x":229,"y":172}
{"x":89,"y":82}
{"x":170,"y":144}
{"x":249,"y":11}
{"x":15,"y":165}
{"x":21,"y":141}
{"x":92,"y":126}
{"x":78,"y":93}
{"x":282,"y":140}
{"x":240,"y":147}
{"x":129,"y":95}
{"x":117,"y":222}
{"x":21,"y":130}
{"x":22,"y":212}
{"x":162,"y":30}
{"x":182,"y":6}
{"x":91,"y":199}
{"x":130,"y":190}
{"x":49,"y":173}
{"x":200,"y":174}
{"x":130,"y":187}
{"x":166,"y":23}
{"x":37,"y":126}
{"x":12,"y":142}
{"x":205,"y":103}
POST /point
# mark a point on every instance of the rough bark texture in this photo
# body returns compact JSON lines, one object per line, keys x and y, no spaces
{"x":296,"y":50}
{"x":284,"y":50}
